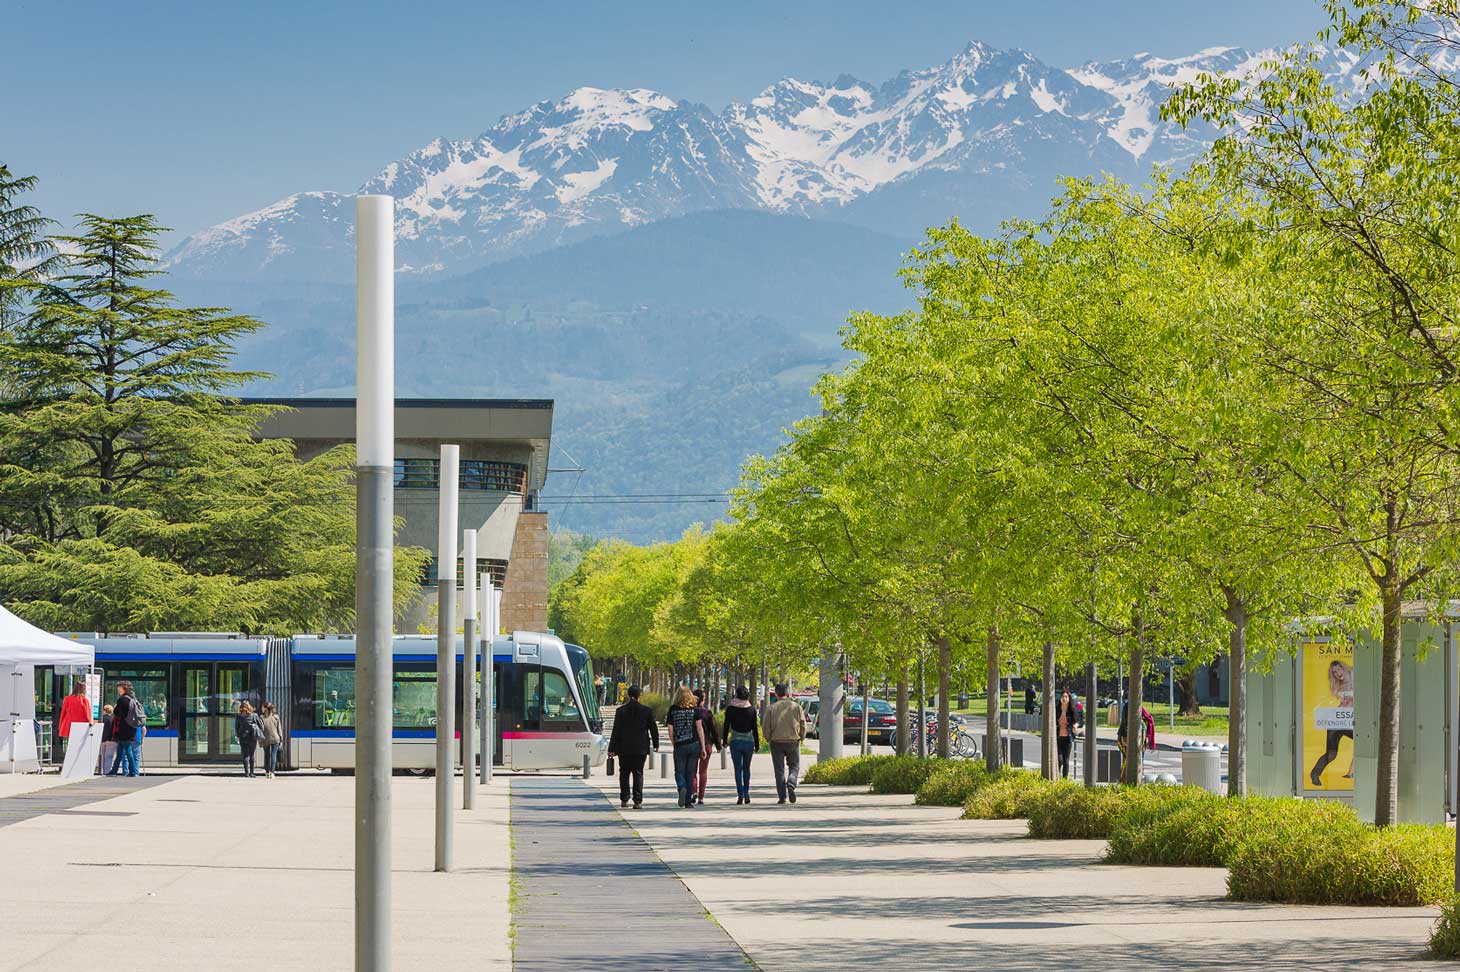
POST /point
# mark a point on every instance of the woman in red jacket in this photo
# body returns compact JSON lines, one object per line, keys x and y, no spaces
{"x":75,"y":707}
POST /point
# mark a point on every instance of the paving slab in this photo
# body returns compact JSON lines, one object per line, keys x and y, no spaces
{"x":590,"y":894}
{"x":845,"y":879}
{"x":225,"y":872}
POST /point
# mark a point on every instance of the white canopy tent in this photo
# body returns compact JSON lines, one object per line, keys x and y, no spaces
{"x":23,"y":646}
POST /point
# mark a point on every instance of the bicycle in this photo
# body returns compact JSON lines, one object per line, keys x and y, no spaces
{"x":962,"y":744}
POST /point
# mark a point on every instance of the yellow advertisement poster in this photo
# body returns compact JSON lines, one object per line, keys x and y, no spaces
{"x":1326,"y":716}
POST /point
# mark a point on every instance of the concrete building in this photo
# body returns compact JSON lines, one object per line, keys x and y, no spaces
{"x":504,"y":460}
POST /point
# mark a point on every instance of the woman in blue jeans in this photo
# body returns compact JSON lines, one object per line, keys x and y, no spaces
{"x":742,"y":735}
{"x":687,"y":732}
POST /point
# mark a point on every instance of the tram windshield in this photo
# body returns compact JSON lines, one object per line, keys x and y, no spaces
{"x":583,"y":673}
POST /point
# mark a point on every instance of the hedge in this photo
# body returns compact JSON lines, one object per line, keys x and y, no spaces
{"x":1275,"y":849}
{"x":845,"y":770}
{"x":658,"y":704}
{"x":1005,"y":798}
{"x":903,"y":774}
{"x":1306,"y":860}
{"x":951,"y":785}
{"x":1445,"y":936}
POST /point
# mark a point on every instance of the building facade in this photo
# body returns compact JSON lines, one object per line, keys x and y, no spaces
{"x":504,"y":445}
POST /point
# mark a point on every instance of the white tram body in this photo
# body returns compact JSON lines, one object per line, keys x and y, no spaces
{"x":545,"y":709}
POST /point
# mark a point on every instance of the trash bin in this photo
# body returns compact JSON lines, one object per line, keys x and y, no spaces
{"x":1201,"y":765}
{"x":1109,"y":766}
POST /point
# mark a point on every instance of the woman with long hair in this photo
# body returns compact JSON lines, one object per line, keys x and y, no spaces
{"x":1065,"y":724}
{"x":1341,"y":687}
{"x":687,"y":732}
{"x":742,"y":735}
{"x":248,"y":729}
{"x":273,"y":737}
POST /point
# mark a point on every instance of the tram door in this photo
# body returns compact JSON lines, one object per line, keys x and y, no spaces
{"x":211,"y":693}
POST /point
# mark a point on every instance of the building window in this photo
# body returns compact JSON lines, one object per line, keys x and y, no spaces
{"x":476,"y":474}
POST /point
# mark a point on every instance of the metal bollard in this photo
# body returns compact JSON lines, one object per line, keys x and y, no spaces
{"x":724,"y":759}
{"x":664,"y":766}
{"x":587,"y":767}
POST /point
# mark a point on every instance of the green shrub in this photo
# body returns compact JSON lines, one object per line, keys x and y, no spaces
{"x":1206,"y":831}
{"x":903,"y":774}
{"x":1445,"y":936}
{"x":658,"y":704}
{"x":1332,"y":858}
{"x":845,"y":770}
{"x":1006,"y":797}
{"x":951,"y":784}
{"x":1070,"y":811}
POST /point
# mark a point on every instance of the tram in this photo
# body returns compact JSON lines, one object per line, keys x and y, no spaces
{"x":546,"y":713}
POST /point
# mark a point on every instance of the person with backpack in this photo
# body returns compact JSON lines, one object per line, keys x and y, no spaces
{"x":128,"y":720}
{"x":248,"y":729}
{"x":273,"y":738}
{"x":712,"y":742}
{"x":742,"y":735}
{"x":687,"y":733}
{"x":634,"y":737}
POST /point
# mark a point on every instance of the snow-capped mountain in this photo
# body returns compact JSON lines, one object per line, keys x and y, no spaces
{"x":924,"y":146}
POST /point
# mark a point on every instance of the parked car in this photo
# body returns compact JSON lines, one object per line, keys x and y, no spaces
{"x":881,"y":725}
{"x":810,"y":705}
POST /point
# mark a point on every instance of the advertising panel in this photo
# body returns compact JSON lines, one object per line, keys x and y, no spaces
{"x":1326,"y":716}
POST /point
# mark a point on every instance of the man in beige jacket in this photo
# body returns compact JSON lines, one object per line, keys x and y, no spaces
{"x":785,"y":726}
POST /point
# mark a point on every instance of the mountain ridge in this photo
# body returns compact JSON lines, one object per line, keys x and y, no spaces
{"x":600,"y":160}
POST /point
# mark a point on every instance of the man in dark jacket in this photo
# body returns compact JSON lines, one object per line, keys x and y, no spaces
{"x":127,"y":718}
{"x":634,"y":737}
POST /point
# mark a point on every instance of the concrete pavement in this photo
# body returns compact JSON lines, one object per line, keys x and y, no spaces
{"x":222,"y":872}
{"x":844,"y":879}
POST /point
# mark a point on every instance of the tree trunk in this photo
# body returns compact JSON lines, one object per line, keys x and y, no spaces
{"x":922,"y":704}
{"x":866,"y":717}
{"x":1236,"y":613}
{"x":1386,"y":790}
{"x":992,"y":755}
{"x":1135,"y":726}
{"x":1189,"y":704}
{"x":1092,"y":724}
{"x":902,"y":710}
{"x":1048,"y":758}
{"x":945,"y":671}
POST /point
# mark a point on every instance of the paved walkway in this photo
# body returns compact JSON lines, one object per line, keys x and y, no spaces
{"x":848,"y":880}
{"x":591,"y":894}
{"x":72,"y":796}
{"x":229,"y":873}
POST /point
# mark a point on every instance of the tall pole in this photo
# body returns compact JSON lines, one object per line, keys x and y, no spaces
{"x":446,"y":654}
{"x":489,"y":672}
{"x":374,"y":572}
{"x":468,"y":669}
{"x":1171,"y":691}
{"x":922,"y":711}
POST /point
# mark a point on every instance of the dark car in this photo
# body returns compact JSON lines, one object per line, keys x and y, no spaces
{"x":881,"y":727}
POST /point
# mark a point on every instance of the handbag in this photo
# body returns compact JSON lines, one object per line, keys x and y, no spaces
{"x":610,"y":766}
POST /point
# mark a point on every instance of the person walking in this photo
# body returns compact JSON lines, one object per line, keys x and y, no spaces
{"x":712,"y":742}
{"x":75,"y":708}
{"x":248,"y":729}
{"x":785,"y":727}
{"x":128,"y":718}
{"x":742,"y":735}
{"x":273,"y":737}
{"x":635,"y":735}
{"x":1066,"y":720}
{"x":108,"y":744}
{"x":687,"y":733}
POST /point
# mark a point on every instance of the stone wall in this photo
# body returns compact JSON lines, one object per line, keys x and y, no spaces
{"x":525,"y":591}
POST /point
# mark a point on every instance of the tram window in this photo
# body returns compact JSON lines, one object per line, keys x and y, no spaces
{"x":557,"y":700}
{"x":531,"y":696}
{"x":414,"y":700}
{"x":334,"y":698}
{"x":148,"y":684}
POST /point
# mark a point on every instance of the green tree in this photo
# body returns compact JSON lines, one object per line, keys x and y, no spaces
{"x":27,"y":257}
{"x":132,"y":494}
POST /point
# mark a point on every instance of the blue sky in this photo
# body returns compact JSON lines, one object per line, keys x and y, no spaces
{"x":198,"y":112}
